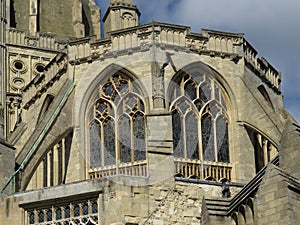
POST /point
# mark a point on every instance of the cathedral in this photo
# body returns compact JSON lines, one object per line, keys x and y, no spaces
{"x":104,"y":120}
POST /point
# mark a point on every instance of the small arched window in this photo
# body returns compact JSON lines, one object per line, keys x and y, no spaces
{"x":117,"y":127}
{"x":200,"y":124}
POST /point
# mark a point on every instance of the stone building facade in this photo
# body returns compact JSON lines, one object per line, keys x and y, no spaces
{"x":143,"y":124}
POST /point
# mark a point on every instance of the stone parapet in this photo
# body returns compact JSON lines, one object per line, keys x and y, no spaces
{"x":40,"y":40}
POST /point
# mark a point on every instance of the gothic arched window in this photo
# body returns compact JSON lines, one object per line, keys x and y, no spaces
{"x":200,"y":127}
{"x":117,"y":127}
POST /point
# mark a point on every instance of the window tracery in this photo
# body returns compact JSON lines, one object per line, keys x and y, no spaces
{"x":200,"y":127}
{"x":84,"y":212}
{"x":117,"y":125}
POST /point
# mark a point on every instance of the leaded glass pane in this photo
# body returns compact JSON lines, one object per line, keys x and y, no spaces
{"x":117,"y":98}
{"x":139,"y":137}
{"x":223,"y":102}
{"x":197,"y":77}
{"x":109,"y":142}
{"x":41,"y":216}
{"x":207,"y":138}
{"x":58,"y":214}
{"x":123,"y":87}
{"x":125,"y":139}
{"x":205,"y":93}
{"x":222,"y":140}
{"x":31,"y":218}
{"x":85,"y":209}
{"x":199,"y":104}
{"x":214,"y":109}
{"x":76,"y":211}
{"x":191,"y":136}
{"x":177,"y":134}
{"x":108,"y":89}
{"x":183,"y":106}
{"x":95,"y":145}
{"x":217,"y":93}
{"x":49,"y":215}
{"x":142,"y":107}
{"x":190,"y":90}
{"x":67,"y":212}
{"x":94,"y":207}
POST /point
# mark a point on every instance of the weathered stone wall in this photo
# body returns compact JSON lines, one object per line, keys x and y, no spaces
{"x":7,"y":165}
{"x":275,"y":202}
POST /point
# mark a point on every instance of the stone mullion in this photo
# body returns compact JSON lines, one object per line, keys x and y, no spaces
{"x":55,"y":165}
{"x":39,"y":175}
{"x":102,"y":145}
{"x":63,"y":160}
{"x":184,"y":136}
{"x":117,"y":146}
{"x":132,"y":140}
{"x":265,"y":149}
{"x":200,"y":148}
{"x":48,"y":169}
{"x":215,"y":140}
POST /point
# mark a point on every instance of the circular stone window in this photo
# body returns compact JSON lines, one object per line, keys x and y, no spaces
{"x":18,"y":83}
{"x":18,"y":66}
{"x":39,"y":68}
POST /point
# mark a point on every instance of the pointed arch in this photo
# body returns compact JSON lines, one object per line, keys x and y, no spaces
{"x":118,"y":108}
{"x":199,"y":103}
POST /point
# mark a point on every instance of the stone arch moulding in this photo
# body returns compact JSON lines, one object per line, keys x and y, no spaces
{"x":198,"y":93}
{"x":203,"y":68}
{"x":87,"y":92}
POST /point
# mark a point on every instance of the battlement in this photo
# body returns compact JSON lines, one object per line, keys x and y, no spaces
{"x":225,"y":45}
{"x":262,"y":67}
{"x":41,"y":40}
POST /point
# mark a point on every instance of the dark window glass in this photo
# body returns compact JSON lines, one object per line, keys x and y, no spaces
{"x":214,"y":109}
{"x":31,"y":218}
{"x":109,"y":142}
{"x":85,"y":209}
{"x":67,"y":212}
{"x":207,"y":138}
{"x":183,"y":106}
{"x":197,"y":77}
{"x":205,"y":93}
{"x":123,"y":88}
{"x":199,"y":104}
{"x":94,"y":207}
{"x":139,"y":137}
{"x":108,"y":89}
{"x":41,"y":216}
{"x":95,"y":145}
{"x":190,"y":90}
{"x":191,"y":136}
{"x":222,"y":140}
{"x":177,"y":134}
{"x":125,"y":139}
{"x":49,"y":215}
{"x":76,"y":211}
{"x":45,"y":172}
{"x":58,"y":214}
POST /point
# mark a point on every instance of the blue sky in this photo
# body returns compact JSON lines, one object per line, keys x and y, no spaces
{"x":272,"y":27}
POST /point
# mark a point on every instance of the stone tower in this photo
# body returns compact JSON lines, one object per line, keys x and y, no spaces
{"x":68,"y":18}
{"x":121,"y":14}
